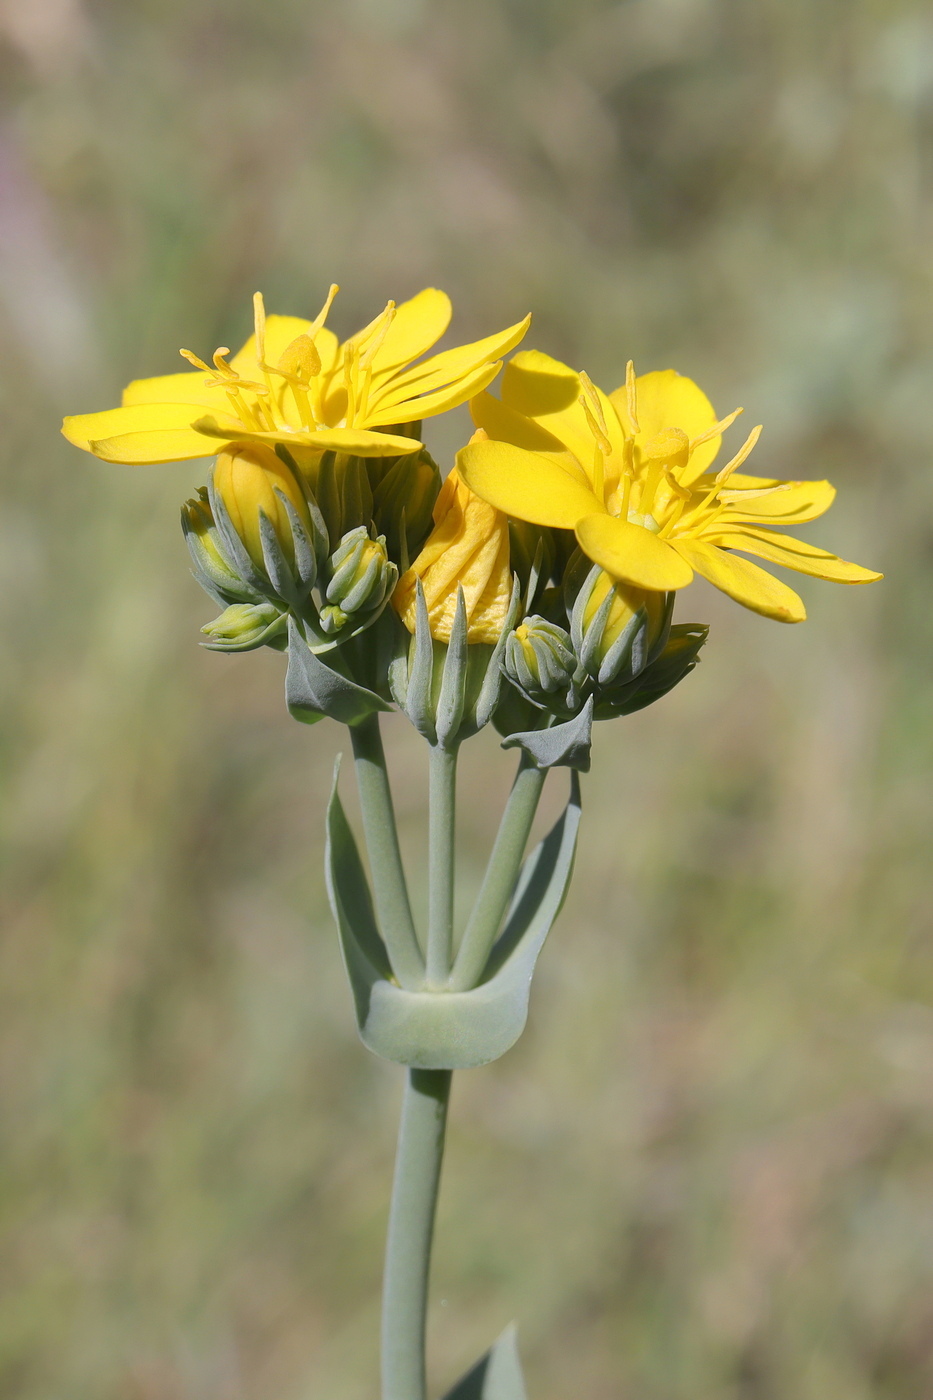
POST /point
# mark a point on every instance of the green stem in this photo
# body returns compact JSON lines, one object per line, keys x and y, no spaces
{"x":442,"y":800}
{"x":411,"y":1228}
{"x":391,"y":890}
{"x":501,"y":875}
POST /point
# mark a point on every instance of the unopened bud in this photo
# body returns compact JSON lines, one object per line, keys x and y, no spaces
{"x":617,"y":630}
{"x":247,"y":625}
{"x":403,"y":500}
{"x":272,"y":534}
{"x":212,"y":566}
{"x":539,"y":660}
{"x":361,"y":579}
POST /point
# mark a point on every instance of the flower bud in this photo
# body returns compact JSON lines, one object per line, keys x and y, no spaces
{"x":361,"y":579}
{"x":539,"y":660}
{"x":617,"y":630}
{"x":404,"y":499}
{"x":273,"y":535}
{"x":212,"y":567}
{"x":468,"y":550}
{"x":245,"y":626}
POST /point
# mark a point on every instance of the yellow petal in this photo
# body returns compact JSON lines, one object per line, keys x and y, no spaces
{"x":450,"y":365}
{"x":793,"y":554}
{"x":525,"y":484}
{"x":632,"y":554}
{"x":400,"y":410}
{"x":84,"y":428}
{"x":357,"y":442}
{"x":416,"y":326}
{"x":537,"y":385}
{"x":792,"y":503}
{"x":743,"y":581}
{"x":507,"y":425}
{"x":666,"y":399}
{"x":157,"y":445}
{"x":184,"y":387}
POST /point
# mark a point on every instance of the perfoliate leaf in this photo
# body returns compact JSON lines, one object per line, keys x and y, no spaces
{"x":563,"y":745}
{"x":448,"y":1030}
{"x":313,"y":689}
{"x":496,"y":1376}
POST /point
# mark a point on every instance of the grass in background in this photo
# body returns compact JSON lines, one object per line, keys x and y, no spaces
{"x":707,"y":1169}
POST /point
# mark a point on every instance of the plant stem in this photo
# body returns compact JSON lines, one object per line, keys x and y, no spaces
{"x":501,"y":875}
{"x":442,"y":824}
{"x":411,"y":1228}
{"x":391,"y":890}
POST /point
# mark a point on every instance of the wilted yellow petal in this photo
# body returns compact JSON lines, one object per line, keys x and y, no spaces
{"x":468,"y":549}
{"x":743,"y":581}
{"x":793,"y":554}
{"x":632,"y":554}
{"x":525,"y":484}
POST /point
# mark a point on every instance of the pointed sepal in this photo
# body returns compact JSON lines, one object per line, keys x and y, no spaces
{"x":313,"y":689}
{"x":562,"y":745}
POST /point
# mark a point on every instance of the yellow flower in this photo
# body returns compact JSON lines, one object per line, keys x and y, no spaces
{"x":293,"y":383}
{"x":631,"y":473}
{"x":469,"y":549}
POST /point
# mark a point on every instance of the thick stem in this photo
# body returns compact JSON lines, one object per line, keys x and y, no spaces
{"x":411,"y":1228}
{"x":501,"y":875}
{"x":391,"y":890}
{"x":442,"y":825}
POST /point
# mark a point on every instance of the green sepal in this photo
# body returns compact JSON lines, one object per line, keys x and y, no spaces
{"x":496,"y":1376}
{"x":440,"y":1029}
{"x":561,"y":745}
{"x":313,"y":689}
{"x":676,"y":661}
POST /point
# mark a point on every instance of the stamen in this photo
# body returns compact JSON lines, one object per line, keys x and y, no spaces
{"x":748,"y":445}
{"x":632,"y":395}
{"x":259,"y":326}
{"x":379,"y":334}
{"x":676,"y":512}
{"x":321,"y":316}
{"x":717,"y":429}
{"x":193,"y":360}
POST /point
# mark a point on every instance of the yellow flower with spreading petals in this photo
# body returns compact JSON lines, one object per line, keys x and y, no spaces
{"x":632,"y":474}
{"x":468,"y":549}
{"x":294,"y":383}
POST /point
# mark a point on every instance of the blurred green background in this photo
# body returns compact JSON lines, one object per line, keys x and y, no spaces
{"x":707,"y":1169}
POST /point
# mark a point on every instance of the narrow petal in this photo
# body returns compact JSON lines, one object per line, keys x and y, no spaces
{"x":157,"y":445}
{"x":632,"y":554}
{"x":787,"y":502}
{"x":743,"y":581}
{"x":400,"y":410}
{"x":357,"y":441}
{"x":449,"y":366}
{"x":793,"y":554}
{"x":84,"y":428}
{"x":184,"y":387}
{"x":525,"y":485}
{"x":417,"y":325}
{"x":508,"y":425}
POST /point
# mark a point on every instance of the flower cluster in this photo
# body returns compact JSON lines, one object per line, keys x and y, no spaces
{"x":537,"y":581}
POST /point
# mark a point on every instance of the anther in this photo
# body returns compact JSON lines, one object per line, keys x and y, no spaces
{"x":321,"y":316}
{"x":717,"y":429}
{"x":631,"y":393}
